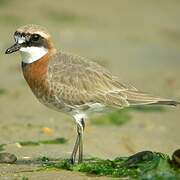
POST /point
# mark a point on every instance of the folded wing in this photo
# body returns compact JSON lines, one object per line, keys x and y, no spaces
{"x":77,"y":81}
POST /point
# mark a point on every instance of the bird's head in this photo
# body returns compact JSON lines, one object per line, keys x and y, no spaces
{"x":33,"y":42}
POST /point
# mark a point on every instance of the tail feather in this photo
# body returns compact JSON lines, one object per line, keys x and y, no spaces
{"x":168,"y":102}
{"x":140,"y":98}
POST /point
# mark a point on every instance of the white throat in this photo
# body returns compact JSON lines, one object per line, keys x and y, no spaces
{"x":31,"y":54}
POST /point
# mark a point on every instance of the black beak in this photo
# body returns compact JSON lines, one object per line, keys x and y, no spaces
{"x":13,"y":48}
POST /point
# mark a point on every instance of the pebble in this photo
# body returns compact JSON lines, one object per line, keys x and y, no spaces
{"x":7,"y":158}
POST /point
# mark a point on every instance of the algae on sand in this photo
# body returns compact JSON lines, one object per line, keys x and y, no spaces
{"x":2,"y":147}
{"x":60,"y":140}
{"x":36,"y":143}
{"x":3,"y":91}
{"x":117,"y":118}
{"x":143,"y":165}
{"x":123,"y":115}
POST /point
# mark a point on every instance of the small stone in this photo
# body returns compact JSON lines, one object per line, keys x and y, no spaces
{"x":7,"y":158}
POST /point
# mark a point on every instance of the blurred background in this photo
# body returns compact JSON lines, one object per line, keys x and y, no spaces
{"x":139,"y":41}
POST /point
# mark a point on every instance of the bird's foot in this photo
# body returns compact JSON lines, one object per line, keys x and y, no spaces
{"x":71,"y":161}
{"x":80,"y":160}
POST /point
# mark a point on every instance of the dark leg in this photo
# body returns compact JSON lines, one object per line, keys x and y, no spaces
{"x":78,"y":143}
{"x":75,"y":149}
{"x":81,"y":129}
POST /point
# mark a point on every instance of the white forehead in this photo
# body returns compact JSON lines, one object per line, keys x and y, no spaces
{"x":34,"y":29}
{"x":20,"y":39}
{"x":42,"y":34}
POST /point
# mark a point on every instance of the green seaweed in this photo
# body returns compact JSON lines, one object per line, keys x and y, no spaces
{"x":43,"y":159}
{"x":143,"y":165}
{"x":117,"y":118}
{"x":54,"y":141}
{"x":124,"y":115}
{"x":25,"y":178}
{"x":2,"y":91}
{"x":2,"y":147}
{"x":29,"y":143}
{"x":51,"y":141}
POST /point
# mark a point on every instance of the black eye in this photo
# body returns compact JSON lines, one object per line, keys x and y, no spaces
{"x":17,"y":33}
{"x":35,"y":37}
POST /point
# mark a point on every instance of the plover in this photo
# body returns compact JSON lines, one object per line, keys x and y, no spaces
{"x":70,"y":83}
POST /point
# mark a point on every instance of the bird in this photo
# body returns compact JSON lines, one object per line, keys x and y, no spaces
{"x":73,"y":84}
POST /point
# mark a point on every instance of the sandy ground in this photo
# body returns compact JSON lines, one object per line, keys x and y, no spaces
{"x":138,"y":41}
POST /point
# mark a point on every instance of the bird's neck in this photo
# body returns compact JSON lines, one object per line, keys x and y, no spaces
{"x":35,"y":70}
{"x":32,"y":54}
{"x":36,"y":74}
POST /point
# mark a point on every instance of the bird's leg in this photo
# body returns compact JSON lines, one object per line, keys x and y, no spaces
{"x":79,"y":119}
{"x":75,"y":149}
{"x":80,"y":132}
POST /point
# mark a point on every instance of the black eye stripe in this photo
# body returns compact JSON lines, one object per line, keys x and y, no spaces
{"x":23,"y":35}
{"x":28,"y":36}
{"x":35,"y":37}
{"x":35,"y":40}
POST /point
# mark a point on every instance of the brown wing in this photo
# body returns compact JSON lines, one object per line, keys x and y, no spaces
{"x":77,"y":81}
